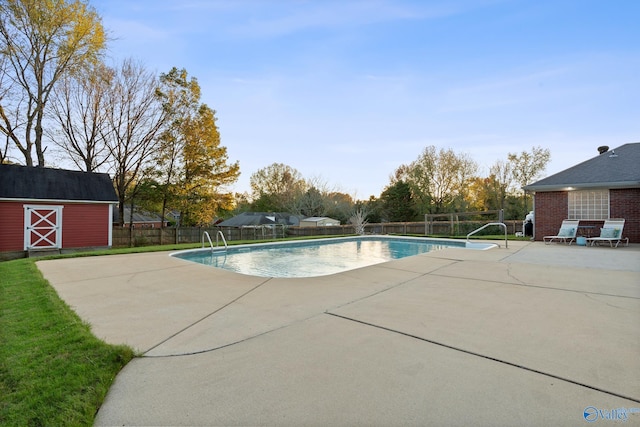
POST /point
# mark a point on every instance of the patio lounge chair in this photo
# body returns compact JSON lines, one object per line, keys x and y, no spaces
{"x":611,"y":232}
{"x":567,"y":233}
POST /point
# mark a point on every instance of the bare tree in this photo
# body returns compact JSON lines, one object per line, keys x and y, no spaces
{"x":135,"y":118}
{"x":4,"y":91}
{"x":502,"y":181}
{"x":41,"y":41}
{"x":4,"y":155}
{"x":437,"y":178}
{"x":79,"y":106}
{"x":359,"y":220}
{"x":11,"y":104}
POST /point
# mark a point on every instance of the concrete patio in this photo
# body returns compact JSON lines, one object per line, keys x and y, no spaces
{"x":530,"y":335}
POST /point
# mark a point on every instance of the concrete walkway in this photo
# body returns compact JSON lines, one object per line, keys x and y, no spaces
{"x":531,"y":335}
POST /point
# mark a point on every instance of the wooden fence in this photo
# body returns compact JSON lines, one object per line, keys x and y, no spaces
{"x":124,"y":237}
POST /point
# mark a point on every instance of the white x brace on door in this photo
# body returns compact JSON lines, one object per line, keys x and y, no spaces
{"x":42,"y":227}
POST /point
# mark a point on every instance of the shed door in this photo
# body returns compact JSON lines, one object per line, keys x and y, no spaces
{"x":43,"y":227}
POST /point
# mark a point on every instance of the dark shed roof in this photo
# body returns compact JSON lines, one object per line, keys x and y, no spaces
{"x":617,"y":168}
{"x":37,"y":183}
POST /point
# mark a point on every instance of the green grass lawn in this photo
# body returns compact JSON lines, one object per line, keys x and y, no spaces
{"x":53,"y":370}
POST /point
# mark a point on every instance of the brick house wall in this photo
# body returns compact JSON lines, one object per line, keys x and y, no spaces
{"x":625,"y":203}
{"x":551,"y":207}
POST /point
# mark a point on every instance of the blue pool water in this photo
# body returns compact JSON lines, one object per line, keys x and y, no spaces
{"x":311,"y":258}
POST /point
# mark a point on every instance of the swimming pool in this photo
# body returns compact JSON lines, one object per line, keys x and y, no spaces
{"x":321,"y":257}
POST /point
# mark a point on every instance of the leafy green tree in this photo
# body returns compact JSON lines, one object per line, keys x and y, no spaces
{"x":513,"y":207}
{"x":397,"y":203}
{"x":41,"y":42}
{"x":311,"y":203}
{"x":374,"y":208}
{"x":266,"y":203}
{"x":147,"y":198}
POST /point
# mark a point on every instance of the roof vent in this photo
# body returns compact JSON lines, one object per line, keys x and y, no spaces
{"x":603,"y":149}
{"x":613,"y":154}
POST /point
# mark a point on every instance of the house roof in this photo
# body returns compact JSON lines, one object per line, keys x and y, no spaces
{"x":138,"y":216}
{"x":38,"y":183}
{"x":260,"y":218}
{"x":617,"y":168}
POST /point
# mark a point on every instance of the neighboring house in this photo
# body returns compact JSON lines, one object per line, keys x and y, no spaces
{"x":141,"y":219}
{"x":606,"y":186}
{"x":255,"y":219}
{"x":54,"y":209}
{"x":318,"y":221}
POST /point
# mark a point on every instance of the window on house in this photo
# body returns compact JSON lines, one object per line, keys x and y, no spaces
{"x":589,"y":204}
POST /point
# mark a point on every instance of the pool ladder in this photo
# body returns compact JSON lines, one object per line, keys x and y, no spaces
{"x":501,"y":224}
{"x":218,"y":235}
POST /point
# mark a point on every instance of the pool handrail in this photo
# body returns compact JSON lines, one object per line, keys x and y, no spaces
{"x":221,"y":234}
{"x":506,"y":244}
{"x":206,"y":233}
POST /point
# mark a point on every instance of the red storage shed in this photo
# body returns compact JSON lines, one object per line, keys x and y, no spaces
{"x":53,"y":209}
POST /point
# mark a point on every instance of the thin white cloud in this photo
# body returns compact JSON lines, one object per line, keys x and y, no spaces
{"x":579,"y":77}
{"x":503,"y":90}
{"x":137,"y":32}
{"x":281,"y":18}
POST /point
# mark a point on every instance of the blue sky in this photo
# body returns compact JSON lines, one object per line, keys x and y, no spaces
{"x":345,"y":91}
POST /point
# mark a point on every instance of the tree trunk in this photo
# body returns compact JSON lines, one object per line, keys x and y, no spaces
{"x":130,"y":224}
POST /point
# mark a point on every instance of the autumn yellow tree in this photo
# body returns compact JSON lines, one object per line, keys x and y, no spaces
{"x":180,"y":97}
{"x":40,"y":42}
{"x":192,"y":165}
{"x":205,"y":170}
